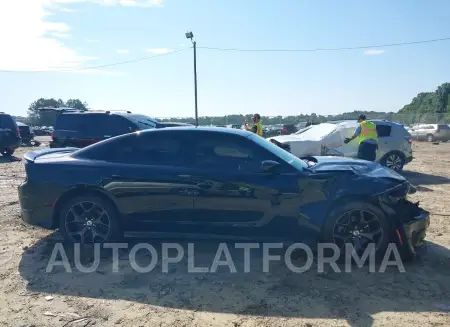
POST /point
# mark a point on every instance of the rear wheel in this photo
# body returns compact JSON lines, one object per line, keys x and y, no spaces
{"x":89,"y":219}
{"x":7,"y":152}
{"x":359,"y":224}
{"x":430,"y":138}
{"x":394,"y":161}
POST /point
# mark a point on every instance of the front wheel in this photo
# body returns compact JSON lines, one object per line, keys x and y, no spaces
{"x":358,"y":224}
{"x":89,"y":219}
{"x":430,"y":138}
{"x":394,"y":161}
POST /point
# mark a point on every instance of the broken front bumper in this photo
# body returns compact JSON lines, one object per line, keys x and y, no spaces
{"x":411,"y":224}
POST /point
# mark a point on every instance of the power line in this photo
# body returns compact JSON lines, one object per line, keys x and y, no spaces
{"x":93,"y":67}
{"x":230,"y":49}
{"x":328,"y":49}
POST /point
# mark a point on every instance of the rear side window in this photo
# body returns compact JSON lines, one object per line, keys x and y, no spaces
{"x":88,"y":125}
{"x":383,"y":130}
{"x":147,"y":149}
{"x":443,"y":127}
{"x":142,"y":121}
{"x":69,"y":122}
{"x":118,"y":125}
{"x":7,"y":122}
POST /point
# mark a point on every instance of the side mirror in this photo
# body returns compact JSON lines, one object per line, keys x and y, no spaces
{"x":270,"y":166}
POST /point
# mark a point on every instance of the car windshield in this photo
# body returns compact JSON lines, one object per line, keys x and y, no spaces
{"x":142,"y":121}
{"x":302,"y":130}
{"x":279,"y":152}
{"x":318,"y":132}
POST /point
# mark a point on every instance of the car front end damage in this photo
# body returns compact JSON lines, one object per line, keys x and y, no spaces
{"x":409,"y":221}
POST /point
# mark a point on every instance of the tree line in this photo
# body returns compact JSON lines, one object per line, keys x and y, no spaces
{"x":426,"y":107}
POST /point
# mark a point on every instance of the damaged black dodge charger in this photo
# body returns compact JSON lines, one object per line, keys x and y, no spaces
{"x":220,"y":183}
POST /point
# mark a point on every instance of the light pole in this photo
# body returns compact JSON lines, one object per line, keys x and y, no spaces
{"x":190,"y":35}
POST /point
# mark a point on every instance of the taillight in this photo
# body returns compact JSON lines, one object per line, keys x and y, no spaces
{"x":18,"y":132}
{"x":409,"y":138}
{"x":284,"y":130}
{"x":51,"y":135}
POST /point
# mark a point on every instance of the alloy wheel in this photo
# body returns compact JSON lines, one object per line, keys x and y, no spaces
{"x":430,"y":138}
{"x":394,"y":162}
{"x":87,"y":222}
{"x":359,"y":228}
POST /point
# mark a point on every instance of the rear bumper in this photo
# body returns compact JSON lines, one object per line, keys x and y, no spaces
{"x":35,"y":210}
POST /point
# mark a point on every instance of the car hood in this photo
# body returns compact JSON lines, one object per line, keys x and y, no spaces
{"x":359,"y":168}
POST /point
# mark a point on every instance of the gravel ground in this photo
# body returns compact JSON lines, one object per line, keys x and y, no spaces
{"x":32,"y":297}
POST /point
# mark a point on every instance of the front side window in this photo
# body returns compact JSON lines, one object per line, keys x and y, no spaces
{"x":226,"y":153}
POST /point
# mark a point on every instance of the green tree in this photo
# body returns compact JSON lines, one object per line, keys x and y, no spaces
{"x":37,"y":116}
{"x":76,"y":103}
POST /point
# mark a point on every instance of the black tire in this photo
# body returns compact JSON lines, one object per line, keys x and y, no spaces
{"x":430,"y":138}
{"x":7,"y":152}
{"x":67,"y":225}
{"x":332,"y":225}
{"x":394,"y":160}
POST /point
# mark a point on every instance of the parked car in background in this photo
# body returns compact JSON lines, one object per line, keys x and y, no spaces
{"x":9,"y":135}
{"x":394,"y":145}
{"x":430,"y":132}
{"x":287,"y":129}
{"x":42,"y":130}
{"x":25,"y":133}
{"x":80,"y":129}
{"x":216,"y":182}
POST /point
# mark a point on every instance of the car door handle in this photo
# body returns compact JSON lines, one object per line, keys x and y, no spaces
{"x":204,"y":185}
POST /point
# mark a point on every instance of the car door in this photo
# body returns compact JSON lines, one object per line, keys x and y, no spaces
{"x":146,"y":175}
{"x":235,"y":197}
{"x":350,"y":149}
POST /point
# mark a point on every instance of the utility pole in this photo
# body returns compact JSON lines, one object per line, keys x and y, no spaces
{"x":190,"y":35}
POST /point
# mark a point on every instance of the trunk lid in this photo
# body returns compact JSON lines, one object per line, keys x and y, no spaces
{"x":48,"y":154}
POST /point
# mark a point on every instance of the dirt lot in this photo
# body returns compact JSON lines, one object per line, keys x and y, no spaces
{"x":419,"y":297}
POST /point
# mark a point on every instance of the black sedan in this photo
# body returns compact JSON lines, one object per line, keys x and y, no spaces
{"x":216,"y":182}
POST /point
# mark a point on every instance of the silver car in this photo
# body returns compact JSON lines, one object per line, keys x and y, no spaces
{"x":430,"y":132}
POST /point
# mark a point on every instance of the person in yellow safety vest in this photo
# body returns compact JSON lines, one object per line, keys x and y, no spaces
{"x":366,"y":132}
{"x":257,"y":125}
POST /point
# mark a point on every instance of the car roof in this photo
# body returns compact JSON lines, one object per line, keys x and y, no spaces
{"x":199,"y":129}
{"x":20,"y":124}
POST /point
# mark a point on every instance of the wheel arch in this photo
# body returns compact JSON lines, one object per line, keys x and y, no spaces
{"x":79,"y":190}
{"x":344,"y":200}
{"x":399,"y":153}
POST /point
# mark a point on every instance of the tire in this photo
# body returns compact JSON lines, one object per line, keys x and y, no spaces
{"x":430,"y":138}
{"x":393,"y":160}
{"x":373,"y":216}
{"x":7,"y":152}
{"x":91,"y":225}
